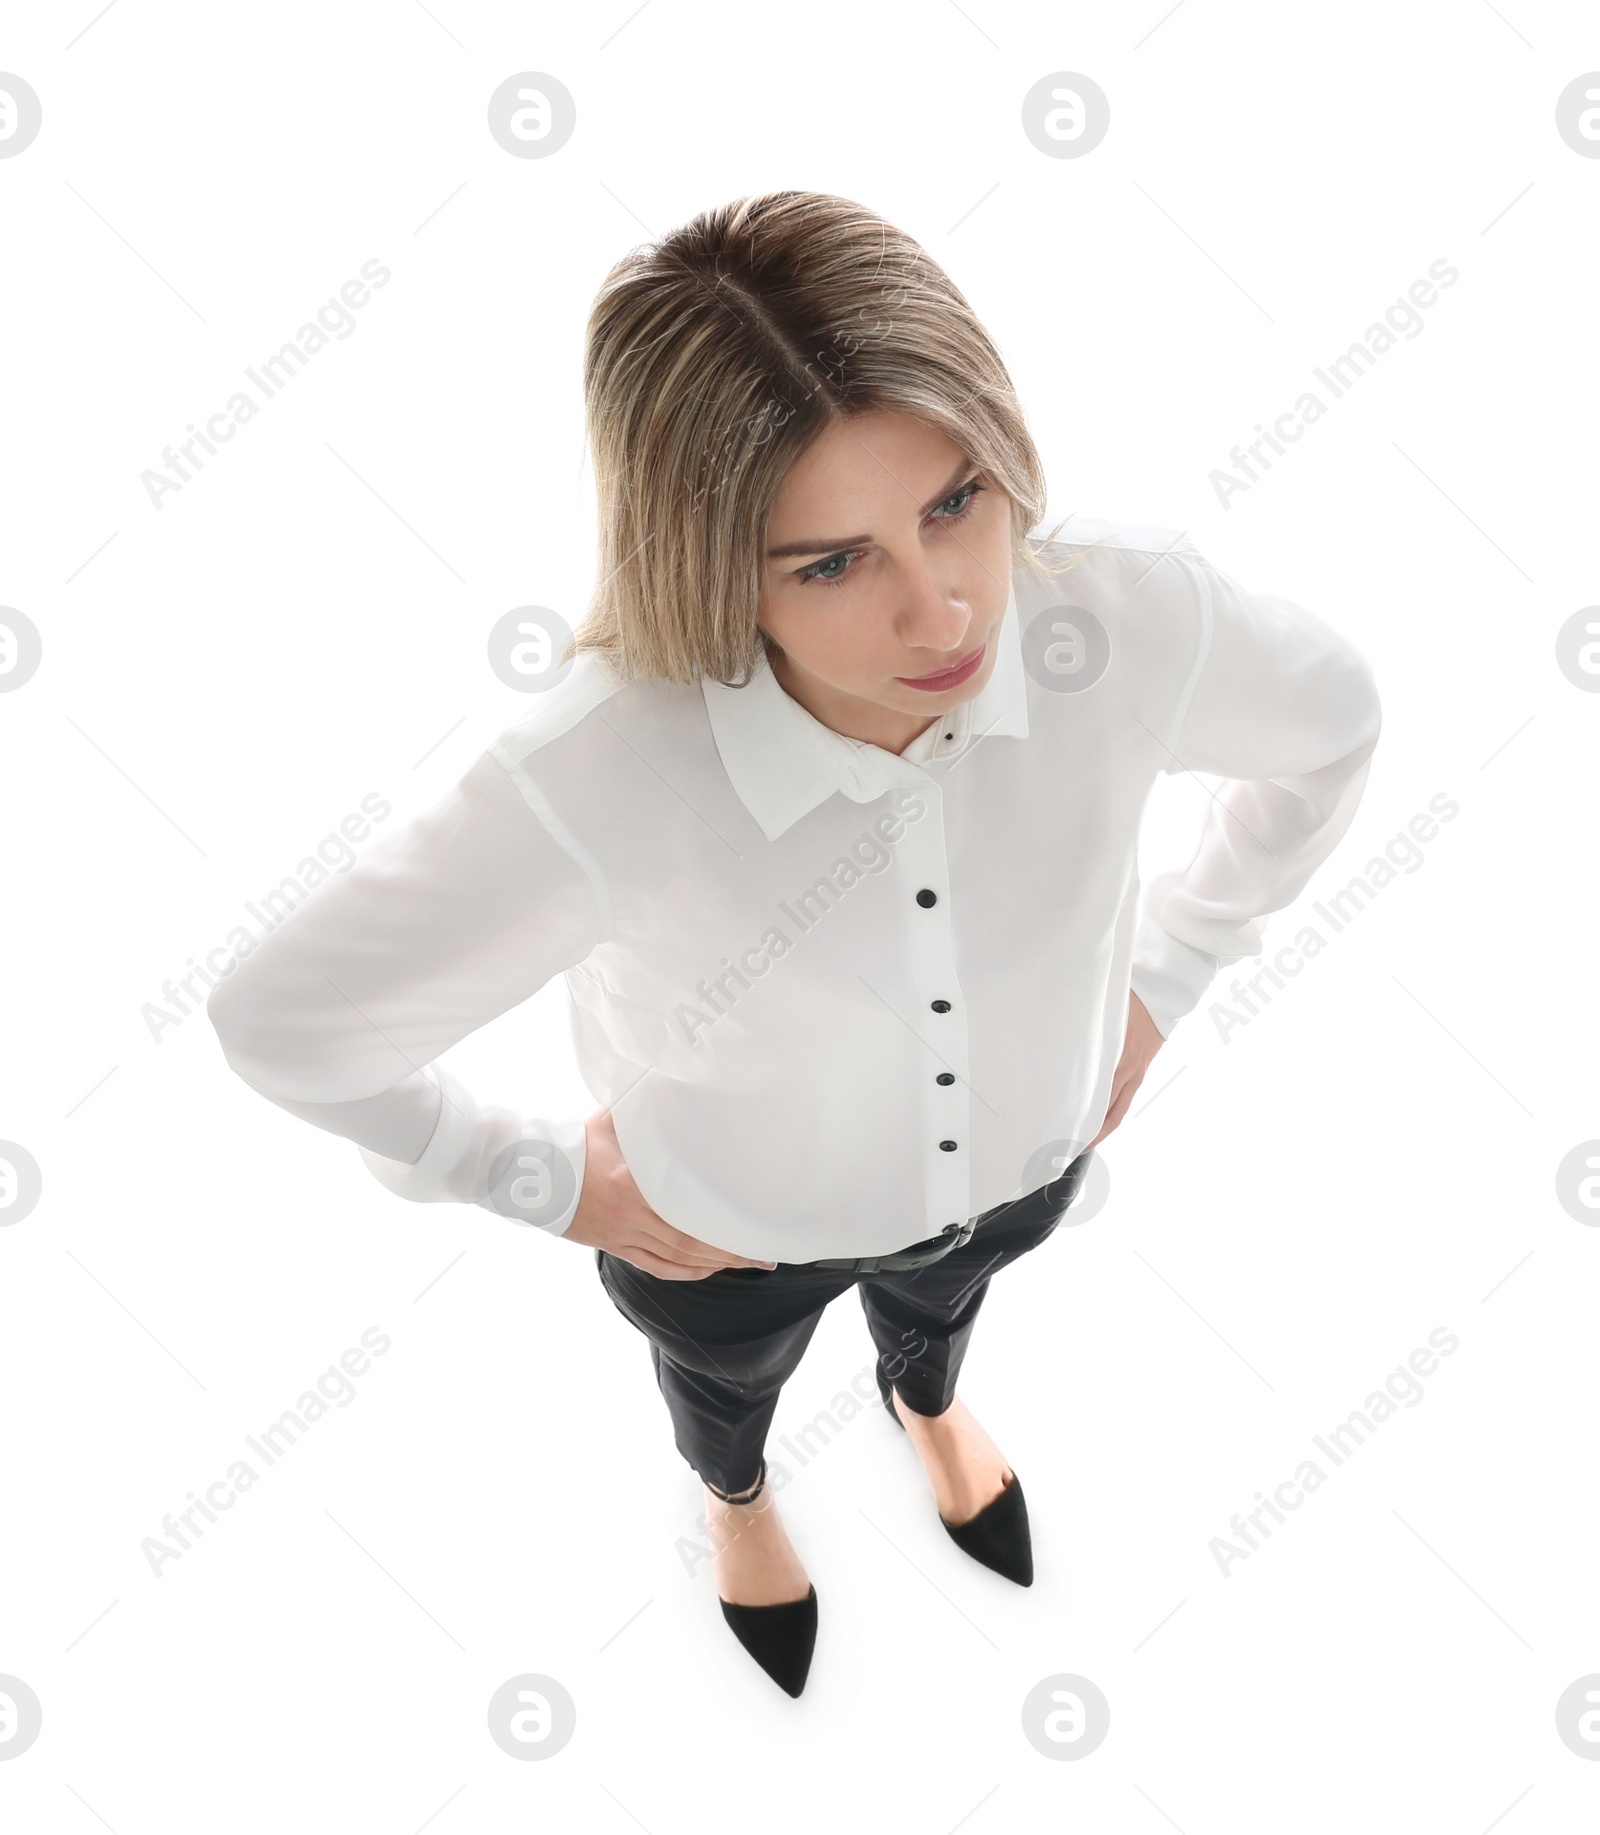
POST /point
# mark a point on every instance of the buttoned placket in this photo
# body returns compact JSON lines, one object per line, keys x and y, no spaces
{"x":922,"y":876}
{"x":783,"y":763}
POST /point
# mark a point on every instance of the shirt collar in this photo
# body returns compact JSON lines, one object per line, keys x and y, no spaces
{"x":783,"y":762}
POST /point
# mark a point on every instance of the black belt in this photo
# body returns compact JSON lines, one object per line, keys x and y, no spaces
{"x":919,"y":1255}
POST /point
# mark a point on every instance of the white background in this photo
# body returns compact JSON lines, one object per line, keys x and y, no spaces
{"x":1292,"y":1209}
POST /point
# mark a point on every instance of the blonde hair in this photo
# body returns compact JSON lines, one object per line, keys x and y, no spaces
{"x":713,"y":358}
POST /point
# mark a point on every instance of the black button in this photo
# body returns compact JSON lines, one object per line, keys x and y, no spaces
{"x":948,"y":1146}
{"x":944,"y":1077}
{"x":941,"y":1006}
{"x":926,"y":898}
{"x":949,"y":735}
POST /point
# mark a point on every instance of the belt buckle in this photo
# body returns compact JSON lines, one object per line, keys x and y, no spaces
{"x":938,"y":1246}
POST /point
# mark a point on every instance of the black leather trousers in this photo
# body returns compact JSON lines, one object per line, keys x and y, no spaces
{"x":724,"y":1346}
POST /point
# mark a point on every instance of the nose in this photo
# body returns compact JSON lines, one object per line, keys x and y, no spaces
{"x":932,"y":618}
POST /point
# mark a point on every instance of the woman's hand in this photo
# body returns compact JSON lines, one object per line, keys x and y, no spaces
{"x":1141,"y":1044}
{"x":612,"y":1215}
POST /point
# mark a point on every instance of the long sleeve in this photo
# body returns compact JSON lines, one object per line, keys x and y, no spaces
{"x":1282,"y":706}
{"x":338,"y":1014}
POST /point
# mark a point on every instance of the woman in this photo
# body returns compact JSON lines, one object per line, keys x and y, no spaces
{"x":831,"y":825}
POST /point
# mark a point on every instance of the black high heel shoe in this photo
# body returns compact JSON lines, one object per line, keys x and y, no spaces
{"x":998,"y":1536}
{"x":780,"y":1637}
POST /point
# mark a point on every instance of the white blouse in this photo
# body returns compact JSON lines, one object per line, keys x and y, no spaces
{"x":836,"y":998}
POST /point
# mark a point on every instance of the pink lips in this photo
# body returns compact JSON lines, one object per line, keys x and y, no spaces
{"x":947,"y":678}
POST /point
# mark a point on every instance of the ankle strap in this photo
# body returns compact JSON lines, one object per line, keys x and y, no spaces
{"x":753,"y":1493}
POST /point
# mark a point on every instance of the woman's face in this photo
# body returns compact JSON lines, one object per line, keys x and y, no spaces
{"x":888,"y":558}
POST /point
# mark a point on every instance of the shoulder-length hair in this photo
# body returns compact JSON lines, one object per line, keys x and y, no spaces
{"x":713,"y":358}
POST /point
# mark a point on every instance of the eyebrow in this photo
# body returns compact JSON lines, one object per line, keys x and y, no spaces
{"x":963,"y":472}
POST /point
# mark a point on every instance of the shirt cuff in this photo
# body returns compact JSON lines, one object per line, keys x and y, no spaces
{"x":527,"y":1169}
{"x":1170,"y":976}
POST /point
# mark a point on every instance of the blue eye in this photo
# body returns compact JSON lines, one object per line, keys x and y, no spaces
{"x":828,"y":579}
{"x":967,"y":494}
{"x":813,"y":575}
